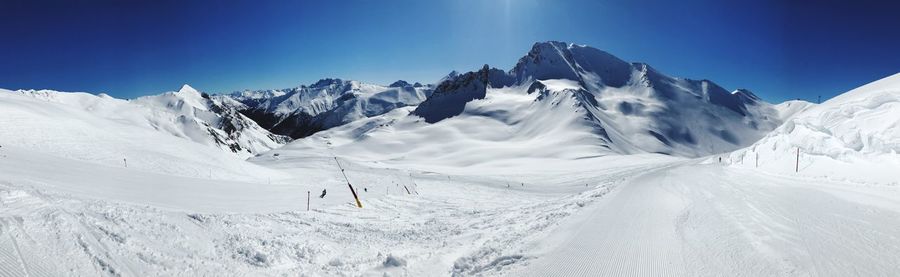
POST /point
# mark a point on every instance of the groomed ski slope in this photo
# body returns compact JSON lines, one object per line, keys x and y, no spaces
{"x":711,"y":220}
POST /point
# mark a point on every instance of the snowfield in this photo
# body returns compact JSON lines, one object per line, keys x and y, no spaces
{"x":118,"y":222}
{"x":573,"y":163}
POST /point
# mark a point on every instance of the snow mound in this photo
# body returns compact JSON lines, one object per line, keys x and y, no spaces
{"x":854,"y":136}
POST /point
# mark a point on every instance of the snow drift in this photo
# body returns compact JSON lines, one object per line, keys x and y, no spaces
{"x":854,"y":136}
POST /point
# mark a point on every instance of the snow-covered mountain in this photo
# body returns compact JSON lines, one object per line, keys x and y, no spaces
{"x":209,"y":121}
{"x":301,"y":111}
{"x":855,"y":135}
{"x":149,"y":135}
{"x":631,"y":107}
{"x":561,"y":100}
{"x":186,"y":113}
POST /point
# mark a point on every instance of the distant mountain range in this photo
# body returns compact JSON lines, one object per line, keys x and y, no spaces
{"x":302,"y":111}
{"x":580,"y":95}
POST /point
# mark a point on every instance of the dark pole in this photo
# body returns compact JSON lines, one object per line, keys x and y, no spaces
{"x":415,"y":186}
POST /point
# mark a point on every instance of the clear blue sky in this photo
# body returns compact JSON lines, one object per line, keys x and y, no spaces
{"x":779,"y":49}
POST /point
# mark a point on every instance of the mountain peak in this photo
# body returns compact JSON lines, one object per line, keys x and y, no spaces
{"x":188,"y":89}
{"x":745,"y":92}
{"x":399,"y":84}
{"x":328,"y":82}
{"x":550,"y":44}
{"x":562,"y":60}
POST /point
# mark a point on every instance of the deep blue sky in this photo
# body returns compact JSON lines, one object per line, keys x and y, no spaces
{"x":779,"y":49}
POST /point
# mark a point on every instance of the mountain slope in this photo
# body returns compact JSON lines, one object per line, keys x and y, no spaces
{"x":114,"y":133}
{"x":186,"y":114}
{"x":855,"y":135}
{"x":302,"y":111}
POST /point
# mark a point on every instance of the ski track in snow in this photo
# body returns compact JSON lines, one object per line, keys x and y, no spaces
{"x":708,"y":220}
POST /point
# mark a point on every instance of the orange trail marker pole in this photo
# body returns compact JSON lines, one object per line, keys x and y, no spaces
{"x":356,"y":197}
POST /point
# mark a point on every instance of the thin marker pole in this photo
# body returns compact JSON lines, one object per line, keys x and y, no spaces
{"x":307,"y":200}
{"x":797,"y":165}
{"x":415,"y":186}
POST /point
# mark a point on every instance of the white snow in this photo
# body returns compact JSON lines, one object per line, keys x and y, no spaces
{"x":854,"y":136}
{"x":788,"y":109}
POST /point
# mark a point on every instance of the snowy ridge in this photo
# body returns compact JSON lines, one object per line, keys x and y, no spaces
{"x":186,"y":113}
{"x":114,"y":133}
{"x":190,"y":114}
{"x":788,"y":109}
{"x":855,"y":135}
{"x":301,"y":111}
